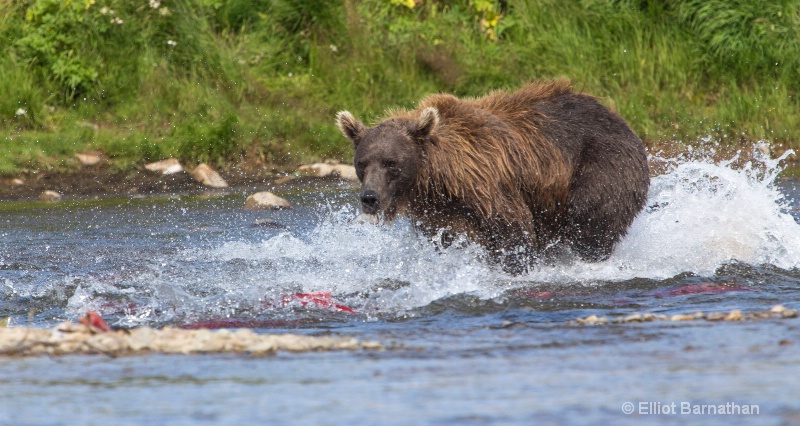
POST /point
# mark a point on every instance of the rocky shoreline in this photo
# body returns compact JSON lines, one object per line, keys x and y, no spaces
{"x":91,"y":335}
{"x":102,"y":180}
{"x":776,"y":312}
{"x":69,"y":339}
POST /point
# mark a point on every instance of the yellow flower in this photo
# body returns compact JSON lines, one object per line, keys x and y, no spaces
{"x":407,"y":3}
{"x":492,"y":19}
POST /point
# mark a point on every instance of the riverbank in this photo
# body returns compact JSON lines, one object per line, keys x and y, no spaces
{"x":105,"y":181}
{"x":214,"y":82}
{"x":109,"y":179}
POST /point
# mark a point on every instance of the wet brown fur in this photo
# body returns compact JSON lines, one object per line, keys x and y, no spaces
{"x":520,"y":172}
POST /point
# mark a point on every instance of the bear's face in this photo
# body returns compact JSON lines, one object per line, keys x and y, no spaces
{"x":387,"y":158}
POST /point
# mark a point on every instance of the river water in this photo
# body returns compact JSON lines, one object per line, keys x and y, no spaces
{"x":469,"y":343}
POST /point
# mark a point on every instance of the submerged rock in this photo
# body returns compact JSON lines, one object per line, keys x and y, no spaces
{"x":265,"y":201}
{"x":204,"y":174}
{"x":734,"y":316}
{"x":683,"y":317}
{"x":592,"y":319}
{"x":776,"y":312}
{"x":269,"y":224}
{"x":165,"y":167}
{"x":778,"y":309}
{"x":70,"y":338}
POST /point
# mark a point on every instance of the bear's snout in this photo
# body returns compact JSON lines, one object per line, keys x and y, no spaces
{"x":370,"y":201}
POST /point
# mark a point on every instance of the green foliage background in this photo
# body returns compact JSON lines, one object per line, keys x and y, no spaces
{"x":259,"y":81}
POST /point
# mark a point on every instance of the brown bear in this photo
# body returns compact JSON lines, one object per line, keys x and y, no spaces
{"x":525,"y":173}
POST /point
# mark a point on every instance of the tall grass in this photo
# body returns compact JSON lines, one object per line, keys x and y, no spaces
{"x":225,"y":81}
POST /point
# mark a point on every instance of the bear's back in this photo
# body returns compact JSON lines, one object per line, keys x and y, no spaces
{"x":535,"y":166}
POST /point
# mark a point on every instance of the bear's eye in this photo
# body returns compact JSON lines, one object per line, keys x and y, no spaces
{"x":361,"y":165}
{"x":389,"y":164}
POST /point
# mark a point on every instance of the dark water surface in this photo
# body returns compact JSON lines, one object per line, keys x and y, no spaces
{"x":472,"y":344}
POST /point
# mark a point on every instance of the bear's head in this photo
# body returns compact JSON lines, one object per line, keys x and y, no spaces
{"x":388,"y":157}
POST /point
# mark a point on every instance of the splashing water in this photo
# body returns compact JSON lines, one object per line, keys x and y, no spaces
{"x":701,"y":215}
{"x":714,"y":237}
{"x":384,"y":268}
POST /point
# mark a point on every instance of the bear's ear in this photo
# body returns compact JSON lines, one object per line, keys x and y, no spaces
{"x":427,"y":121}
{"x":350,"y":127}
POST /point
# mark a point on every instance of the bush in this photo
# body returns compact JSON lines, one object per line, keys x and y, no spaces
{"x":212,"y":80}
{"x":746,"y":37}
{"x":210,"y":141}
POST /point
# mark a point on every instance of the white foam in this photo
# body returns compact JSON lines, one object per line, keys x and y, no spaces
{"x":397,"y":268}
{"x":709,"y":214}
{"x":701,"y":215}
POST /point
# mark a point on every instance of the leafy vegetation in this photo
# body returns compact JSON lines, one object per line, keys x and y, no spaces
{"x":230,"y":81}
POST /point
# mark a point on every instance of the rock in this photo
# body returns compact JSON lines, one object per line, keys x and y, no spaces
{"x":204,"y":174}
{"x":92,"y":126}
{"x":165,"y":167}
{"x":17,"y":182}
{"x":762,"y":315}
{"x":777,"y":309}
{"x":69,"y":338}
{"x":651,"y":317}
{"x":512,"y":324}
{"x":316,"y":169}
{"x":343,"y":171}
{"x":633,"y":318}
{"x":269,"y":224}
{"x":283,"y":179}
{"x":265,"y":201}
{"x":346,"y":172}
{"x":646,"y":317}
{"x":50,"y":196}
{"x":734,"y":316}
{"x":682,"y":317}
{"x":90,"y":158}
{"x":593,"y":319}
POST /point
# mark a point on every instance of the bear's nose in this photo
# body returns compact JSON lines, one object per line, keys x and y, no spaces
{"x":370,"y":201}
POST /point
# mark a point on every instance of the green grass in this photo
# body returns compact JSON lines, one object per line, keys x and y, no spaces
{"x":226,"y":81}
